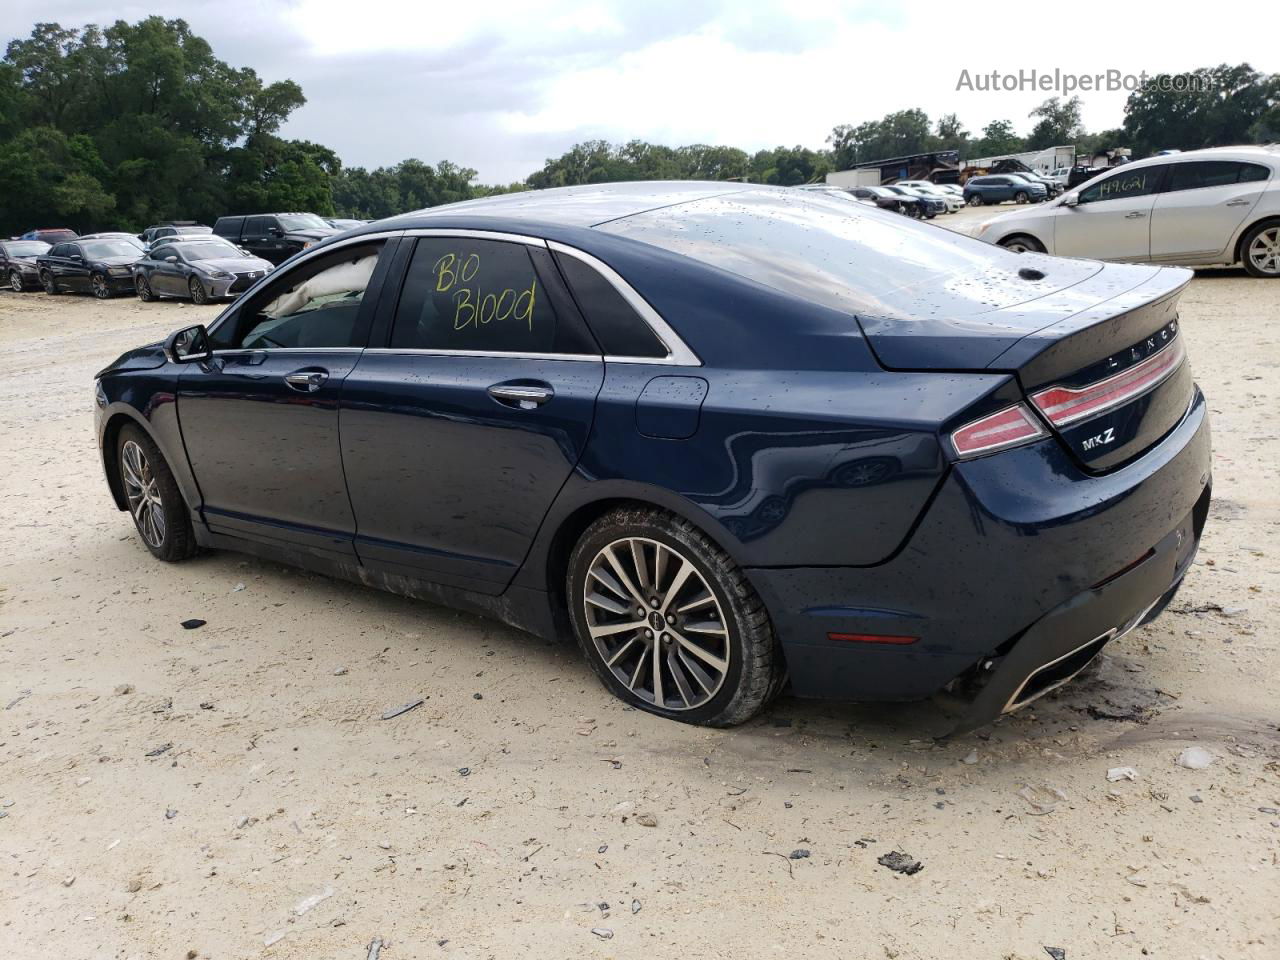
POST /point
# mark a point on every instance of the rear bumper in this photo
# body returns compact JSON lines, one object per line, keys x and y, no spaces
{"x":1020,"y":559}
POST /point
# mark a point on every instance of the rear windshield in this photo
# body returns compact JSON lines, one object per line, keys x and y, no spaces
{"x":851,"y":257}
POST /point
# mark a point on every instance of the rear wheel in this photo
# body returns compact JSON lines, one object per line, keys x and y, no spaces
{"x":47,"y":281}
{"x":1021,"y":243}
{"x":1261,"y":249}
{"x":669,"y":622}
{"x":198,"y":294}
{"x":154,"y":501}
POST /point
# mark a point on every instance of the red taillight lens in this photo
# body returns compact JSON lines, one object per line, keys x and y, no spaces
{"x":1010,"y":427}
{"x":1066,"y":405}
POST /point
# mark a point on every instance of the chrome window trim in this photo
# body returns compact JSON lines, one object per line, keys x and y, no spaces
{"x":678,"y":352}
{"x":476,"y":235}
{"x":244,"y":350}
{"x":483,"y":354}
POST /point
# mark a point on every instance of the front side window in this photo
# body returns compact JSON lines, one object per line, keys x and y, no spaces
{"x":316,"y":304}
{"x":257,"y":226}
{"x":1124,"y":185}
{"x":467,"y":294}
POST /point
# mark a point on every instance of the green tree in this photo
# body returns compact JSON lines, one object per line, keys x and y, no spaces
{"x":1058,"y":123}
{"x":997,"y":137}
{"x":1211,"y":106}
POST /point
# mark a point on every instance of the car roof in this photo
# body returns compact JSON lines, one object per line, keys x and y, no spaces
{"x":1245,"y":152}
{"x":582,"y":206}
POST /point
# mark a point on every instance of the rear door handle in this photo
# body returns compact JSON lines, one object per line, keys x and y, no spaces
{"x":522,"y":396}
{"x":307,"y":381}
{"x":1134,"y":215}
{"x":1238,"y":202}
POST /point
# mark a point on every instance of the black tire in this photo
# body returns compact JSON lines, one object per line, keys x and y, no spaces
{"x":1022,"y":243}
{"x":754,"y":670}
{"x":46,"y":281}
{"x":15,"y":282}
{"x":1021,"y":197}
{"x":199,"y":296}
{"x":177,"y":540}
{"x":975,"y":200}
{"x":99,"y":287}
{"x":143,"y":288}
{"x":1261,"y":264}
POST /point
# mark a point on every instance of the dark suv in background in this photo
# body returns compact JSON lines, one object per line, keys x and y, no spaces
{"x":999,"y":187}
{"x":274,"y":236}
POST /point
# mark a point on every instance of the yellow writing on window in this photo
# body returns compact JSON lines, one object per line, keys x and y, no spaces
{"x":472,"y":307}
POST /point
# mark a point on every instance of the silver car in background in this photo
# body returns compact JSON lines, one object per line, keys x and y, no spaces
{"x":1210,"y":207}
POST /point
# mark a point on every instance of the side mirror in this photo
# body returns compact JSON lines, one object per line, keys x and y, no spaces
{"x":188,"y":345}
{"x":170,"y":259}
{"x":1071,"y":199}
{"x":275,"y":232}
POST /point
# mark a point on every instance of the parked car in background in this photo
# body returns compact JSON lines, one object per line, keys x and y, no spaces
{"x":952,"y":201}
{"x":887,"y":199}
{"x":18,"y":269}
{"x":1201,"y":207}
{"x":864,"y":373}
{"x":49,"y":234}
{"x":1000,"y":187}
{"x":199,"y":270}
{"x":930,"y":205}
{"x":114,"y":235}
{"x":100,"y":267}
{"x":339,"y":223}
{"x":274,"y":236}
{"x":173,"y":228}
{"x":1051,"y":186}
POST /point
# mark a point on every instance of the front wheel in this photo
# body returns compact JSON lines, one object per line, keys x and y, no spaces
{"x":975,"y":200}
{"x":669,"y":622}
{"x":143,"y":288}
{"x":1261,"y":249}
{"x":1021,"y":243}
{"x":1021,"y":197}
{"x":98,"y":285}
{"x":153,"y":498}
{"x":199,"y":295}
{"x":15,"y":281}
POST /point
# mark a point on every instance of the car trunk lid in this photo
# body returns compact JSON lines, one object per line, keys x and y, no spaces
{"x":1098,"y":353}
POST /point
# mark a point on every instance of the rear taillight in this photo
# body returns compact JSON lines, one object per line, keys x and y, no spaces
{"x":1065,"y":405}
{"x":1010,"y":427}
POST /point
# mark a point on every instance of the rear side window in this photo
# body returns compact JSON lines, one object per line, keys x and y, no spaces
{"x":620,"y":331}
{"x":228,"y":226}
{"x":1213,"y":173}
{"x":478,"y":295}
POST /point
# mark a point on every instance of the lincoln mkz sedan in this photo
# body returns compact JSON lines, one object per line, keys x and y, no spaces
{"x":727,"y":436}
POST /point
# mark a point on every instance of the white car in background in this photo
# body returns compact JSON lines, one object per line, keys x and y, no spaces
{"x":1200,"y":208}
{"x":953,"y":200}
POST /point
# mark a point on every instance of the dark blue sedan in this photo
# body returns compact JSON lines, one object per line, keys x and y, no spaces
{"x":729,"y":437}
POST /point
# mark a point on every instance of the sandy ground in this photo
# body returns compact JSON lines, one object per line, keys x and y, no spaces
{"x":231,"y":792}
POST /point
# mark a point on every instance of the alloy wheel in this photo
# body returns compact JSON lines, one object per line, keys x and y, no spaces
{"x":142,"y":287}
{"x":198,"y":294}
{"x":656,"y":623}
{"x":1264,"y":252}
{"x":99,"y":285}
{"x":143,"y":493}
{"x":46,"y":280}
{"x":15,"y":281}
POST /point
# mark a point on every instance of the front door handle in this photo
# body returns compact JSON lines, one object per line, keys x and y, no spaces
{"x":1134,"y":215}
{"x":1238,"y":202}
{"x":522,"y":396}
{"x":307,"y":381}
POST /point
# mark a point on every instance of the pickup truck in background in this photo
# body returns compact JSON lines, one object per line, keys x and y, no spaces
{"x":274,"y":236}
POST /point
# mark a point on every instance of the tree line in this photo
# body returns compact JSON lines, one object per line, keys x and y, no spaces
{"x":133,"y":123}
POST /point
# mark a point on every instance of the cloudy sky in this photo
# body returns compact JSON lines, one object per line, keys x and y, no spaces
{"x":500,"y":85}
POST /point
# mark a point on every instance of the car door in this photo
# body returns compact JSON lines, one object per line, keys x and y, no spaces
{"x":1112,"y":218}
{"x":1202,"y":206}
{"x":258,"y":239}
{"x":260,"y":419}
{"x":73,"y":269}
{"x":166,"y":277}
{"x":459,"y":431}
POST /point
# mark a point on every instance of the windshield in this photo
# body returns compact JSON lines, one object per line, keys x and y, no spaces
{"x":302,"y":221}
{"x":854,"y":258}
{"x":206,"y":251}
{"x":25,"y":248}
{"x":109,"y":248}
